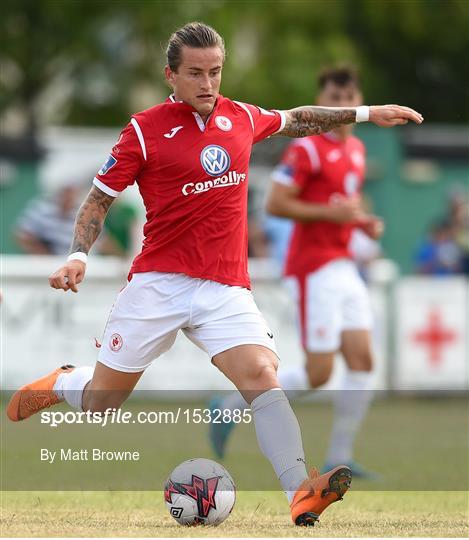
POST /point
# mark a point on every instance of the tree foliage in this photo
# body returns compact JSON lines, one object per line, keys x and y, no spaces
{"x":93,"y":63}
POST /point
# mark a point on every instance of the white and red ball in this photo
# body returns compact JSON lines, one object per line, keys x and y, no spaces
{"x":200,"y":492}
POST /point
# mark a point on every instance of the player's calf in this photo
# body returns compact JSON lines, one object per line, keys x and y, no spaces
{"x":319,"y":367}
{"x":108,"y":389}
{"x":101,"y":401}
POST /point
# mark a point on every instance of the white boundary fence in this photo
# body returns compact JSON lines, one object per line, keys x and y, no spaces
{"x":421,"y":335}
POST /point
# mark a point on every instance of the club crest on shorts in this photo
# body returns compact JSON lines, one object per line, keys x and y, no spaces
{"x":115,"y":343}
{"x":223,"y":123}
{"x":215,"y":160}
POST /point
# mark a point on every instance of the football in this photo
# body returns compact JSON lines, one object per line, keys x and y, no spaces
{"x":200,"y":492}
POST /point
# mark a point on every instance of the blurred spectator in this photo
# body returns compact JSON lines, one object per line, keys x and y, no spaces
{"x":46,"y":225}
{"x":458,"y":216}
{"x":439,"y":254}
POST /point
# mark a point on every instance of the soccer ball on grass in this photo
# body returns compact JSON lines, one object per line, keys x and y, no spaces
{"x":200,"y":492}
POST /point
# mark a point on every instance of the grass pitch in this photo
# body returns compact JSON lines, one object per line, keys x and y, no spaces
{"x":416,"y":444}
{"x":256,"y":514}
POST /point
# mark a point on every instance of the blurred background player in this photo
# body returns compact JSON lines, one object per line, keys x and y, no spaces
{"x":317,"y":184}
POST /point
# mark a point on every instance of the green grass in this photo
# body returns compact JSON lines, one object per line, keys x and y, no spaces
{"x":256,"y":514}
{"x":420,"y":446}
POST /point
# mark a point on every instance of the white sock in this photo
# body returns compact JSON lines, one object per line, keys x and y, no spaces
{"x":293,"y":380}
{"x":70,"y":386}
{"x":351,"y":402}
{"x":279,"y":437}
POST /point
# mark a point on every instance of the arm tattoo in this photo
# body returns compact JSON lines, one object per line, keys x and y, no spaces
{"x":90,"y":219}
{"x":304,"y":121}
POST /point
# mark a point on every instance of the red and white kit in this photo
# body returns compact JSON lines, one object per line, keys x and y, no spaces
{"x":192,"y":271}
{"x":330,"y":294}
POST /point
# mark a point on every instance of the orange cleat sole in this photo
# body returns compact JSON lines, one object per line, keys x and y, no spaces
{"x":317,"y":493}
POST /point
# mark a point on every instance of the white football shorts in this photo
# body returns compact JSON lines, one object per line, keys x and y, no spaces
{"x":330,"y":300}
{"x":154,"y":306}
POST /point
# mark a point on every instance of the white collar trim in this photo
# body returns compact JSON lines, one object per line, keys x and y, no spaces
{"x":174,"y":100}
{"x":199,"y":121}
{"x":197,"y":116}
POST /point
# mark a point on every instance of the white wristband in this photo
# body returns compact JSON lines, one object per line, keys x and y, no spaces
{"x":363,"y":114}
{"x":78,"y":256}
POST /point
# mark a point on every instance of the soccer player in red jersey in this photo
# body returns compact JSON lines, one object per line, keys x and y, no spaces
{"x":318,"y":184}
{"x":189,"y":157}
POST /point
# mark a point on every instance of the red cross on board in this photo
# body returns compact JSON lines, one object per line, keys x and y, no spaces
{"x":434,"y":336}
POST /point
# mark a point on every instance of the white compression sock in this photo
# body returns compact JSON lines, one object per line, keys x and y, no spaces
{"x":279,"y":437}
{"x":293,"y":380}
{"x":351,"y":402}
{"x":70,"y":386}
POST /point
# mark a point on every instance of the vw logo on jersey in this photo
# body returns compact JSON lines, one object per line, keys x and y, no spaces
{"x":215,"y":160}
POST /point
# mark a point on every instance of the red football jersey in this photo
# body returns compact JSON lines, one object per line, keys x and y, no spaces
{"x":324,"y":168}
{"x":193,"y":180}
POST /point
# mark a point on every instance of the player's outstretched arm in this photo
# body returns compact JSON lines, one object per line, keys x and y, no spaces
{"x":309,"y":120}
{"x":88,"y":224}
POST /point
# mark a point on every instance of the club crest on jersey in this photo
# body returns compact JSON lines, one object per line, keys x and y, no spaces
{"x":108,"y":164}
{"x":334,"y":155}
{"x":115,"y":343}
{"x":357,"y":159}
{"x":223,"y":123}
{"x":215,"y":160}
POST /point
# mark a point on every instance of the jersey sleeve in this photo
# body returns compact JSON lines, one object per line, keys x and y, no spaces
{"x":264,"y":123}
{"x":124,"y":163}
{"x":294,"y":167}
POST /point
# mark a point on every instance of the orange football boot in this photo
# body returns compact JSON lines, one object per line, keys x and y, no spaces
{"x":32,"y":398}
{"x":317,"y":492}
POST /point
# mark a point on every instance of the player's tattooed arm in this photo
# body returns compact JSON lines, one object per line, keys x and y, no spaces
{"x":304,"y":121}
{"x":90,"y":219}
{"x":88,"y":225}
{"x":307,"y":120}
